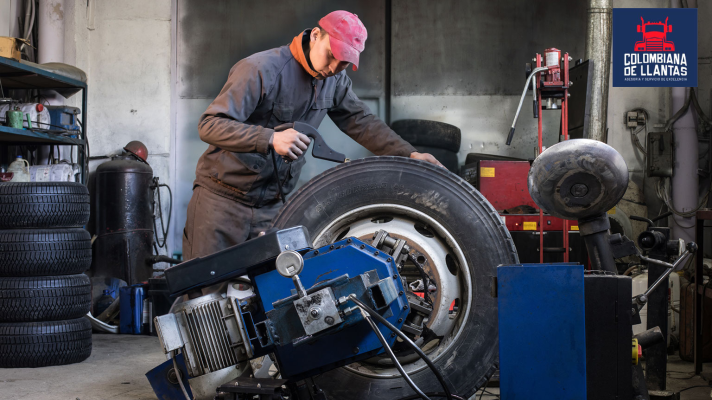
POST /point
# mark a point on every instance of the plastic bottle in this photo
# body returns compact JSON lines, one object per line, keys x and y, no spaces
{"x":104,"y":302}
{"x":39,"y":114}
{"x":21,"y":168}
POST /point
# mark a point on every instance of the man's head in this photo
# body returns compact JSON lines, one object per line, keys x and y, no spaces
{"x":336,"y":42}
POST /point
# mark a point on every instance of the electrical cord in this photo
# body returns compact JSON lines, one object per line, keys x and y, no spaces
{"x":164,"y":229}
{"x":694,"y":387}
{"x":634,"y":133}
{"x":178,"y":375}
{"x":388,"y":350}
{"x":662,"y":190}
{"x":407,"y":340}
{"x":642,"y":219}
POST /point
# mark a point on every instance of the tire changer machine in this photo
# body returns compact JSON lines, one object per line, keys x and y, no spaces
{"x":249,"y":301}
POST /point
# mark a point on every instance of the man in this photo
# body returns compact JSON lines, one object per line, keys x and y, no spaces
{"x":235,"y":193}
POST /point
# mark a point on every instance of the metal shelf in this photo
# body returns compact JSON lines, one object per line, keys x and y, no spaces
{"x":21,"y":136}
{"x":17,"y":75}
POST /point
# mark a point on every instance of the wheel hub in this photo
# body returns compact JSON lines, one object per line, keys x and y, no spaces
{"x":441,"y":258}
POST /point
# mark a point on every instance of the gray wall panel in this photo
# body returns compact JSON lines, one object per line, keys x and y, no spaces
{"x":454,"y":47}
{"x":213,"y":35}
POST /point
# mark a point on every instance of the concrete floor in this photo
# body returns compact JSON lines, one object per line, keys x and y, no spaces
{"x":115,"y":370}
{"x":680,"y":376}
{"x":118,"y":363}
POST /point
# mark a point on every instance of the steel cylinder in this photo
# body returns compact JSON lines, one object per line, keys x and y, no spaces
{"x":123,"y":210}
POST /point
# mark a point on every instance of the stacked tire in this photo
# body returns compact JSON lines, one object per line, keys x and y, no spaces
{"x":44,"y":293}
{"x":437,"y":138}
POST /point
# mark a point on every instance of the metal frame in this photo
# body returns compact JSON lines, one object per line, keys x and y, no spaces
{"x":22,"y":76}
{"x":564,"y":86}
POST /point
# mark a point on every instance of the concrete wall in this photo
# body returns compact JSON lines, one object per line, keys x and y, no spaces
{"x":125,"y":49}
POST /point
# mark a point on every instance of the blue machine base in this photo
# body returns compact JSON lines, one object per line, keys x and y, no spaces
{"x":542,"y":342}
{"x":158,"y":378}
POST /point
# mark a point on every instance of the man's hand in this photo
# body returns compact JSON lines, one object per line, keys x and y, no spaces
{"x":290,"y":143}
{"x":426,"y":157}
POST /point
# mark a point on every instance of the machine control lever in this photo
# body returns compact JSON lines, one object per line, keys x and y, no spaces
{"x":320,"y":149}
{"x":640,"y":300}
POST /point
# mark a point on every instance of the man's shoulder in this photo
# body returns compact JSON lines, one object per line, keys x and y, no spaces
{"x":272,"y":60}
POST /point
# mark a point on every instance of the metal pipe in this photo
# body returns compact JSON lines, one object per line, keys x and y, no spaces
{"x":650,"y":337}
{"x":598,"y":49}
{"x":684,"y":177}
{"x":50,"y":43}
{"x":521,"y":100}
{"x":599,"y":252}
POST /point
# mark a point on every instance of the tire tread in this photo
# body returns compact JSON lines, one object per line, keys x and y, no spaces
{"x":43,"y":205}
{"x":40,"y":252}
{"x":48,"y":343}
{"x":46,"y":298}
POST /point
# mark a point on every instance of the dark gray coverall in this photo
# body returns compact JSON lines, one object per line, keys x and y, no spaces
{"x":235,"y":195}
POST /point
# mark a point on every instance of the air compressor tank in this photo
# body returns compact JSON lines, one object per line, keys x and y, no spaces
{"x":124,"y":219}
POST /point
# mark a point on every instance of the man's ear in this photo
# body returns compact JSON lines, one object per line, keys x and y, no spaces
{"x":314,"y":35}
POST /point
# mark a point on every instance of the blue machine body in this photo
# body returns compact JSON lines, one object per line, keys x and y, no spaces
{"x":131,"y":309}
{"x":64,"y":117}
{"x":165,"y":389}
{"x":353,"y":340}
{"x":542,"y":343}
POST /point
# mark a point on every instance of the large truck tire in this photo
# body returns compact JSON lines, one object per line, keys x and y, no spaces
{"x":43,"y":344}
{"x":42,"y":252}
{"x":422,"y":132}
{"x":44,"y":298}
{"x":462,"y":241}
{"x":43,"y":205}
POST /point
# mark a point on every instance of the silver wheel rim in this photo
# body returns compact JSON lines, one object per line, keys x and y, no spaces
{"x":437,"y":244}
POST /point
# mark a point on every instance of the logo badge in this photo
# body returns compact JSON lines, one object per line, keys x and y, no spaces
{"x":648,"y":53}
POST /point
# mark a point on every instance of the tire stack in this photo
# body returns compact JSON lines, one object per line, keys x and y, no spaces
{"x":437,"y":138}
{"x":44,"y":293}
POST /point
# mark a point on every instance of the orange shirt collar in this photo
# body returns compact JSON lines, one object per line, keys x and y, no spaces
{"x":298,"y":52}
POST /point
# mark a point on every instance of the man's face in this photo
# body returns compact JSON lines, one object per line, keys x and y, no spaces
{"x":321,"y":57}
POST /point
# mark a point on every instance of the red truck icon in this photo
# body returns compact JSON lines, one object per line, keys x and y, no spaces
{"x":654,"y":36}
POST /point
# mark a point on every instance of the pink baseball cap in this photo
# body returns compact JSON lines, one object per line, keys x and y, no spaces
{"x":347,"y":35}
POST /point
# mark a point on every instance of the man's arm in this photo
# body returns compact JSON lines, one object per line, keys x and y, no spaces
{"x":354,"y":118}
{"x":222,"y":124}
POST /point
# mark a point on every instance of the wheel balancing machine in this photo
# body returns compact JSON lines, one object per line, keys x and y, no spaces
{"x":565,"y":332}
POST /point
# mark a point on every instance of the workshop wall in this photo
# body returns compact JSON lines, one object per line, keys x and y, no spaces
{"x":125,"y":49}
